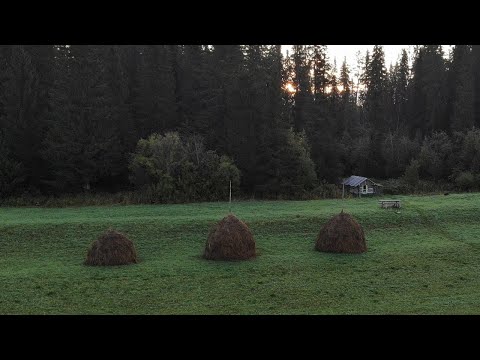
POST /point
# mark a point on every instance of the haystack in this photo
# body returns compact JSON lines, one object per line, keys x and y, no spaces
{"x":112,"y":248}
{"x":341,"y":234}
{"x":230,"y":239}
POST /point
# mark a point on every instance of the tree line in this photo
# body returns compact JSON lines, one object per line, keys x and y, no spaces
{"x":87,"y":118}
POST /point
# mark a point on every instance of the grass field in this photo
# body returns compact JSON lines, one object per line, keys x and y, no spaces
{"x":423,"y":259}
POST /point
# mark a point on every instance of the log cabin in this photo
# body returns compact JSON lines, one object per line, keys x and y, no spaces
{"x":359,"y":185}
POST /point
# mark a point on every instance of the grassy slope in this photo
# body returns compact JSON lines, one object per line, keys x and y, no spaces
{"x":422,"y":260}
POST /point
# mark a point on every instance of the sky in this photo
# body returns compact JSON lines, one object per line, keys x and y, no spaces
{"x":392,"y":52}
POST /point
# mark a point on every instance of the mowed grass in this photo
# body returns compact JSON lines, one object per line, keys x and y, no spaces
{"x":422,"y":259}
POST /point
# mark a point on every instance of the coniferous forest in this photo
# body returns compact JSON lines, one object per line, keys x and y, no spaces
{"x":179,"y":122}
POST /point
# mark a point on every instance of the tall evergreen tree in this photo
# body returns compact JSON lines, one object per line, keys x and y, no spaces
{"x":157,"y":90}
{"x":271,"y":125}
{"x":302,"y":83}
{"x":117,"y":93}
{"x":133,"y":66}
{"x":82,"y":142}
{"x":22,"y":118}
{"x":194,"y":86}
{"x":321,"y":69}
{"x":400,"y":90}
{"x":461,"y":89}
{"x":428,"y":93}
{"x":375,"y":109}
{"x":345,"y":82}
{"x":346,"y":115}
{"x":225,"y":68}
{"x":476,"y":83}
{"x":375,"y":82}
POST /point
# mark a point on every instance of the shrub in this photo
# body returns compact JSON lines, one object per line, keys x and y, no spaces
{"x":470,"y":154}
{"x":327,"y":191}
{"x":11,"y":172}
{"x":411,"y":176}
{"x":166,"y":168}
{"x":465,"y":180}
{"x":297,"y":170}
{"x":396,"y":187}
{"x":436,"y":156}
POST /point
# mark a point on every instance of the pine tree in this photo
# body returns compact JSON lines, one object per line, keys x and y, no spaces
{"x":225,"y":67}
{"x":194,"y":86}
{"x":400,"y":90}
{"x":11,"y":171}
{"x":302,"y":82}
{"x":157,"y":91}
{"x":428,"y":108}
{"x":416,"y":97}
{"x":288,"y":96}
{"x":333,"y":85}
{"x":82,"y":142}
{"x":345,"y":82}
{"x":323,"y":125}
{"x":476,"y":83}
{"x":132,"y":65}
{"x":271,"y":125}
{"x":375,"y":108}
{"x":249,"y":122}
{"x":375,"y":81}
{"x":346,"y":113}
{"x":461,"y":89}
{"x":117,"y":95}
{"x":321,"y":68}
{"x":391,"y":124}
{"x":23,"y":130}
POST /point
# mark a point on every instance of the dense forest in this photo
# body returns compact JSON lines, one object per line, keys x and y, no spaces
{"x":179,"y":121}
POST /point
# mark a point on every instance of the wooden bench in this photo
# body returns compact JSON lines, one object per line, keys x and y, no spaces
{"x":385,"y":204}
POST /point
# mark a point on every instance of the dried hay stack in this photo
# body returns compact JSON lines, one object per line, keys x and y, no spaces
{"x":341,"y":234}
{"x":112,"y":248}
{"x":230,"y":239}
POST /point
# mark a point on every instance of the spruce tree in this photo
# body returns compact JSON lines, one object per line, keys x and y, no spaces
{"x":461,"y":89}
{"x":82,"y":143}
{"x":157,"y":91}
{"x":22,"y":126}
{"x":194,"y":87}
{"x":302,"y":82}
{"x":476,"y":83}
{"x":400,"y":90}
{"x":428,"y":110}
{"x":375,"y":109}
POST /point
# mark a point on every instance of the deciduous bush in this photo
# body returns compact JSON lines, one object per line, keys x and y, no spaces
{"x":411,"y":176}
{"x":11,"y":174}
{"x":167,"y":168}
{"x":465,"y":180}
{"x":435,"y":156}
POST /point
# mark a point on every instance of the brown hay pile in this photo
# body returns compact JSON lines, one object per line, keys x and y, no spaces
{"x":341,"y":234}
{"x":112,"y":248}
{"x":230,"y":239}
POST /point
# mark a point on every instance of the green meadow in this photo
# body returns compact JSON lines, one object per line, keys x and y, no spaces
{"x":422,"y":259}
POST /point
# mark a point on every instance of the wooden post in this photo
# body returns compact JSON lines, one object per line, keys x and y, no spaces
{"x":230,"y":200}
{"x":343,"y":191}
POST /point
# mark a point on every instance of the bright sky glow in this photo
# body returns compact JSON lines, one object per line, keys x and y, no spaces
{"x":289,"y":87}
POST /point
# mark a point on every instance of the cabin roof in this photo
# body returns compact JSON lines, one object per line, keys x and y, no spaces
{"x":356,"y":180}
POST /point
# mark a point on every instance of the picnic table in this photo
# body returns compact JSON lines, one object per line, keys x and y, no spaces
{"x":390,"y":204}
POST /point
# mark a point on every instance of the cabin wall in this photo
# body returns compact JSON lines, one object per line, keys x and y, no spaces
{"x":371,"y":188}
